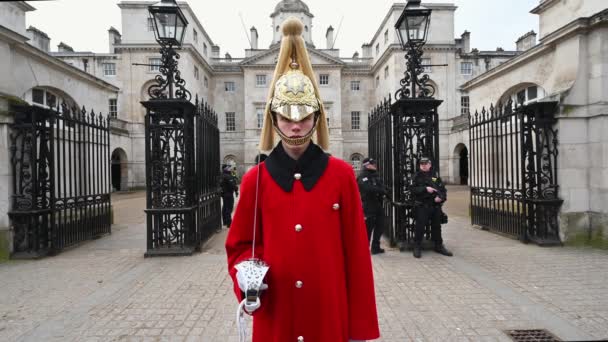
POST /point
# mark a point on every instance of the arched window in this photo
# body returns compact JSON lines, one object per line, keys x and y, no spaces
{"x":355,"y":161}
{"x":48,"y":97}
{"x":523,"y":94}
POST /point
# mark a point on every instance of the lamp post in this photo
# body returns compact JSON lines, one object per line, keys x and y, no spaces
{"x":412,"y":29}
{"x":169,"y":30}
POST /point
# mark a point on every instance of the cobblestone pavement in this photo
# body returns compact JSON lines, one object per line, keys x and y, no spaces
{"x":105,"y":290}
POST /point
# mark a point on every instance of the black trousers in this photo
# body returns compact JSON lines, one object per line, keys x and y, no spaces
{"x":227,"y":205}
{"x":375,"y":228}
{"x":423,"y":215}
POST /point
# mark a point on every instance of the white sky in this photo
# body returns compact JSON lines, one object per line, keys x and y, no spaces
{"x":83,"y":24}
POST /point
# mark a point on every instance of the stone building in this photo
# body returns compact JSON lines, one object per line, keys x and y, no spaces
{"x":237,"y":87}
{"x":568,"y":65}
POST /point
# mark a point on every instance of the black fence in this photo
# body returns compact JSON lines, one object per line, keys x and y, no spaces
{"x":513,"y":160}
{"x":182,"y":176}
{"x":399,"y":134}
{"x":60,"y":161}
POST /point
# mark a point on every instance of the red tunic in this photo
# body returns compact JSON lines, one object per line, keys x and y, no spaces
{"x":320,"y":281}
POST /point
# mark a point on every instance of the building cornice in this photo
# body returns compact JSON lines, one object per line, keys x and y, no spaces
{"x":548,"y":43}
{"x":12,"y":36}
{"x":67,"y":68}
{"x":543,"y":6}
{"x":24,"y":6}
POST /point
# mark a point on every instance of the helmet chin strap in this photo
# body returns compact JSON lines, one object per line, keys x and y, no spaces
{"x":296,"y":141}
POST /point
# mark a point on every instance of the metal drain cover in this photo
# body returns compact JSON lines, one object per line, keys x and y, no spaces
{"x":534,"y":335}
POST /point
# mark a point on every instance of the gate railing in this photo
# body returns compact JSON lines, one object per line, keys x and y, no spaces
{"x":399,"y":134}
{"x":60,"y":160}
{"x":513,"y":159}
{"x":182,"y":170}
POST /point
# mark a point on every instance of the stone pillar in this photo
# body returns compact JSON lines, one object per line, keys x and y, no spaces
{"x":6,"y":177}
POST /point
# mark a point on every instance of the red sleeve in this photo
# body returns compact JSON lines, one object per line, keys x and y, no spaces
{"x":240,"y":234}
{"x":362,"y":315}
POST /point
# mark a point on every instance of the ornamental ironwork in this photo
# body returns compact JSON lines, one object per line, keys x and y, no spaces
{"x":514,"y":188}
{"x":60,"y":161}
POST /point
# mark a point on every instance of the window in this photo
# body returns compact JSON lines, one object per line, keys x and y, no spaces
{"x":206,"y":82}
{"x":38,"y":96}
{"x":466,"y":68}
{"x":51,"y":100}
{"x":154,"y":64}
{"x":229,"y":86}
{"x":386,"y":72}
{"x":195,"y":35}
{"x":324,"y":79}
{"x":377,"y":81}
{"x":260,"y":80}
{"x":464,"y":105}
{"x":205,"y":49}
{"x":425,"y":62}
{"x":150,"y":25}
{"x":259,"y":113}
{"x":230,"y":122}
{"x":109,"y":69}
{"x":355,"y":85}
{"x":355,"y":161}
{"x":196,"y":75}
{"x":355,"y":120}
{"x":113,"y":108}
{"x":385,"y":36}
{"x":532,"y":93}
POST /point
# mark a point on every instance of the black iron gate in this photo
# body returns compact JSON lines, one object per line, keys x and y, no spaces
{"x":182,"y":170}
{"x":513,"y":159}
{"x":399,"y":134}
{"x":60,"y":160}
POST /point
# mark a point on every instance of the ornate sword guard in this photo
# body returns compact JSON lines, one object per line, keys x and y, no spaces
{"x":250,"y":275}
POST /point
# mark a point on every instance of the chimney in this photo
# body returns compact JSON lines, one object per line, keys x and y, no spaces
{"x":527,"y":41}
{"x":366,"y":50}
{"x":114,"y":38}
{"x":329,"y":35}
{"x":39,"y":39}
{"x":254,"y":38}
{"x":63,"y":47}
{"x":466,"y":41}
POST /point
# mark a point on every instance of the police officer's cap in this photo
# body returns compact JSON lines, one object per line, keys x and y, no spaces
{"x":227,"y":167}
{"x":424,"y":160}
{"x":367,"y":161}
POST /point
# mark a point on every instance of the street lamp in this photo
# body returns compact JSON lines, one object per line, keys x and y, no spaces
{"x":169,"y":30}
{"x":412,"y":29}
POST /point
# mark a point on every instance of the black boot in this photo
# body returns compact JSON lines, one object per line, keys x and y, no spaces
{"x":417,"y":251}
{"x":440,"y":248}
{"x":377,"y":250}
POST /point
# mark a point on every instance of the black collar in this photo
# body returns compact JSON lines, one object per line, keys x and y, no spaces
{"x":282,"y":167}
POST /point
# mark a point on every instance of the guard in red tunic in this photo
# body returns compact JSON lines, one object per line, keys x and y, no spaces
{"x":309,"y":229}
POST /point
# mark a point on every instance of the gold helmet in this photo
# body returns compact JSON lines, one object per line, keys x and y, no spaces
{"x":294,"y":95}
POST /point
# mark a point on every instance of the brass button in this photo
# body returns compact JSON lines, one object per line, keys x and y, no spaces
{"x":300,"y":338}
{"x":298,"y":227}
{"x":297,"y":176}
{"x":336,"y":206}
{"x":299,"y":284}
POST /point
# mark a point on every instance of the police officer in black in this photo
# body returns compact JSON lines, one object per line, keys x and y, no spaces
{"x":229,"y":188}
{"x":429,"y":193}
{"x":372,"y":192}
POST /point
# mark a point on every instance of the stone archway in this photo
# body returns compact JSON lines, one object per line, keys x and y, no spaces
{"x":460,"y":163}
{"x":120,"y":170}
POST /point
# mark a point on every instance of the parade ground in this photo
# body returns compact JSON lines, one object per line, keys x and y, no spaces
{"x":105,"y":290}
